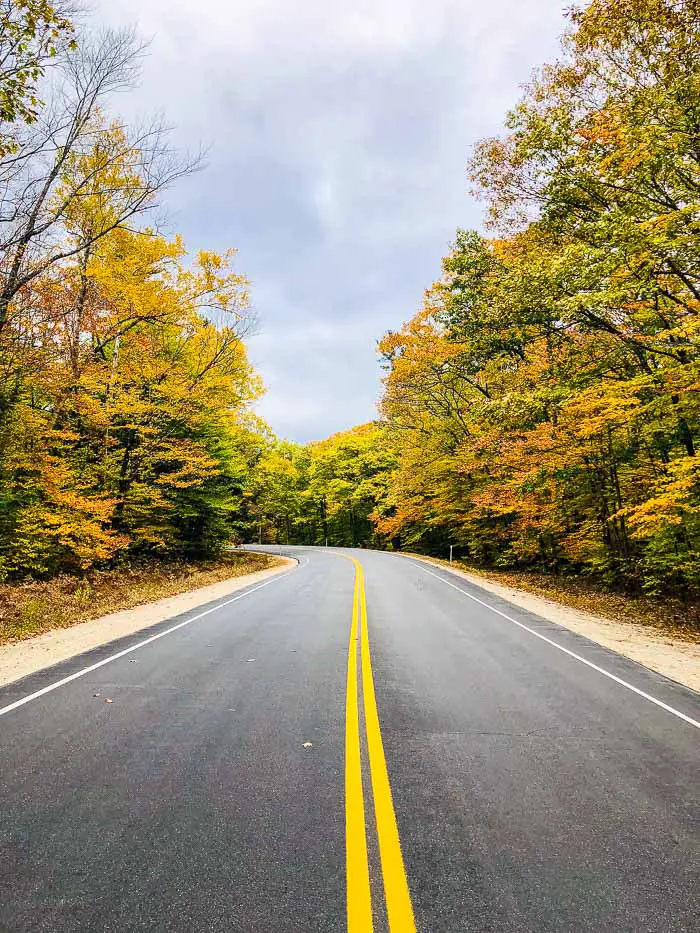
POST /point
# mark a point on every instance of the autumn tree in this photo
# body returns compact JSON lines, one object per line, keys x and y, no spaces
{"x":323,"y":492}
{"x":544,"y":401}
{"x":68,"y":153}
{"x":125,"y":390}
{"x":277,"y":507}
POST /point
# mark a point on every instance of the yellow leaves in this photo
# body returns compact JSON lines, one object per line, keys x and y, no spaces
{"x":140,"y":393}
{"x":68,"y":521}
{"x":326,"y":488}
{"x":597,"y":409}
{"x":185,"y":464}
{"x":215,"y":289}
{"x":98,"y":182}
{"x":674,"y":500}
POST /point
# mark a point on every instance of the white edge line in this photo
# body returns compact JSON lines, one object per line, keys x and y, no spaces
{"x":572,"y":654}
{"x":141,"y":644}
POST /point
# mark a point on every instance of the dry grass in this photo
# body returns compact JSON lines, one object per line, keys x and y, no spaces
{"x":666,"y":616}
{"x":33,"y":607}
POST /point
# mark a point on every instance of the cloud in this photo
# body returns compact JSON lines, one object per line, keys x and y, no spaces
{"x":339,"y":135}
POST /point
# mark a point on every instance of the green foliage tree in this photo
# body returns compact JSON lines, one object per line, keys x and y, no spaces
{"x":324,"y":492}
{"x":544,"y":401}
{"x":32,"y":32}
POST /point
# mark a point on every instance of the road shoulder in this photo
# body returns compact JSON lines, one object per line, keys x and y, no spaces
{"x":34,"y":654}
{"x":677,"y":659}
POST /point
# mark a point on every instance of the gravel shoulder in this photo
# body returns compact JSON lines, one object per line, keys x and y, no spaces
{"x":33,"y":654}
{"x":677,"y":659}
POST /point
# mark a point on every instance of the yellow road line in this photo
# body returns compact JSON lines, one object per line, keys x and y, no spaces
{"x":396,"y":893}
{"x":359,"y":898}
{"x":398,"y":898}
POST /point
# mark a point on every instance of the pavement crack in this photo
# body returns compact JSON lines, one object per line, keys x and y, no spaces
{"x":537,"y":733}
{"x":515,"y":735}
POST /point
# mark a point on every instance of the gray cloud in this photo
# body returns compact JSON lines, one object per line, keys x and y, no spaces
{"x":338,"y":142}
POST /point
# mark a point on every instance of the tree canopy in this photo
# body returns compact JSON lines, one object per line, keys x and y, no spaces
{"x":125,"y":390}
{"x":540,"y":409}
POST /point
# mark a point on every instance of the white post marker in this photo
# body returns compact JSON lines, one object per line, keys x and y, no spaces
{"x":451,"y":546}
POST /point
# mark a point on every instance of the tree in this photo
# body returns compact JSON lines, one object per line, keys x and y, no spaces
{"x":323,"y":492}
{"x":32,"y":33}
{"x":347,"y":477}
{"x":125,"y":390}
{"x":68,"y":155}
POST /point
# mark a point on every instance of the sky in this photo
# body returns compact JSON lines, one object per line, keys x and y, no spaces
{"x":337,"y":136}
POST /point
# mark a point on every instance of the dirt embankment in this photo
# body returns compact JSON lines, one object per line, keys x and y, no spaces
{"x":35,"y":606}
{"x":44,"y":623}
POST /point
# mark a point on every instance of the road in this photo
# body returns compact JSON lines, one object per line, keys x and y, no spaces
{"x":466,"y":766}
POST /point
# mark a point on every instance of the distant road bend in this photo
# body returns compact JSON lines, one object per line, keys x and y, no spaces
{"x":364,"y":742}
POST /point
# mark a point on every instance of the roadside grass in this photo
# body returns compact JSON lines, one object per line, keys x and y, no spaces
{"x":34,"y":606}
{"x":665,"y":616}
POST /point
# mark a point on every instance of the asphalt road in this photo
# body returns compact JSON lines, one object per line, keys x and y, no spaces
{"x":529,"y":790}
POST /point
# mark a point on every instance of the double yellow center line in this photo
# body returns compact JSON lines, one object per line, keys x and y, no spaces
{"x":359,"y":895}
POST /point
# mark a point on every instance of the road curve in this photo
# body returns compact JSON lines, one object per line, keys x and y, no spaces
{"x":387,"y":732}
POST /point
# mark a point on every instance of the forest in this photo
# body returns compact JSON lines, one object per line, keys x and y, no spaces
{"x":540,"y":409}
{"x":125,"y":392}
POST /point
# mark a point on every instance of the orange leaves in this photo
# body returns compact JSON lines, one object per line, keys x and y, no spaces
{"x":527,"y":440}
{"x":544,"y":400}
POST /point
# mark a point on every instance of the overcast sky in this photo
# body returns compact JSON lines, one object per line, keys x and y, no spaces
{"x":338,"y":137}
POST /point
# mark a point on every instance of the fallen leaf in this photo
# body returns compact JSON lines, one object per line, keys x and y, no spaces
{"x":96,"y":694}
{"x":307,"y":744}
{"x":249,"y":660}
{"x":108,"y":700}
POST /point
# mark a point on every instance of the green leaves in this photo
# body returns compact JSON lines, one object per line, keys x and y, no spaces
{"x":545,"y":401}
{"x":31,"y":32}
